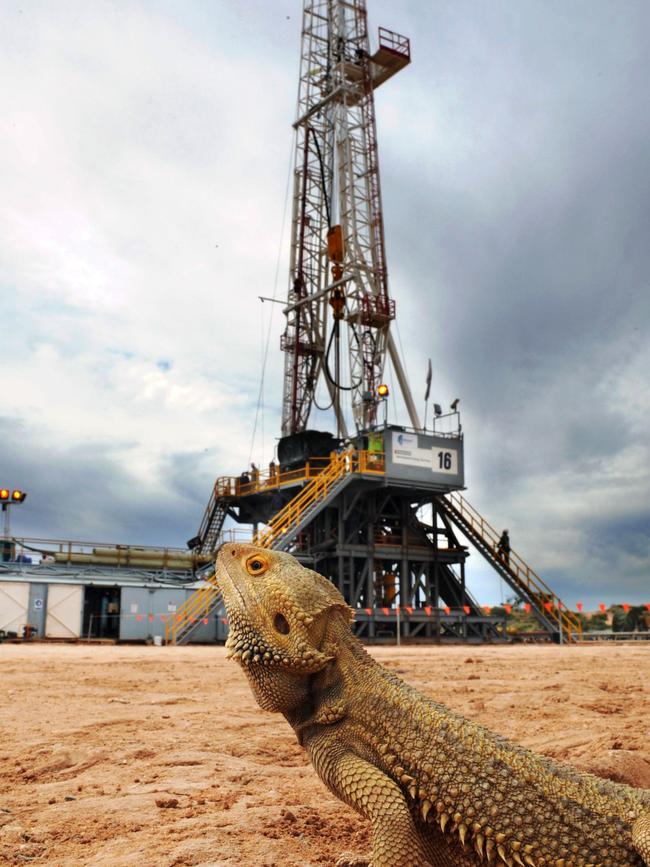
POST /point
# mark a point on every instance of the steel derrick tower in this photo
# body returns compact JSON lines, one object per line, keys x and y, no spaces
{"x":376,"y":508}
{"x":339,"y":301}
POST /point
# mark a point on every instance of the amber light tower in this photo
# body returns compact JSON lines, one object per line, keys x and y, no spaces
{"x":9,"y":498}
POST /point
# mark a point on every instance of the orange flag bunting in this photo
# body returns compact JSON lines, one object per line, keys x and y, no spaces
{"x":385,"y":610}
{"x":487,"y":610}
{"x":447,"y":609}
{"x":527,"y":607}
{"x":427,"y":609}
{"x":466,"y":609}
{"x":603,"y":607}
{"x":508,"y":608}
{"x":579,"y":606}
{"x":548,"y":605}
{"x":410,"y":610}
{"x":369,"y":611}
{"x":648,"y":606}
{"x":626,"y":607}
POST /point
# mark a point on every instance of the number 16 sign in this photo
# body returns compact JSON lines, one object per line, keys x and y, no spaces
{"x":445,"y":461}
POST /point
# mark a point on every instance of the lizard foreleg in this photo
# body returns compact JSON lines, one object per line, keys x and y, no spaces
{"x":379,"y":799}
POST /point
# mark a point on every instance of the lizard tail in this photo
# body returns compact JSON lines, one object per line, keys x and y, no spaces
{"x":641,"y":837}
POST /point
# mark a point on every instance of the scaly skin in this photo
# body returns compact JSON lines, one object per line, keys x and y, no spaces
{"x":437,"y":789}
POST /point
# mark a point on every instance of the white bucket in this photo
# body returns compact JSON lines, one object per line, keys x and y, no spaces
{"x":157,"y":640}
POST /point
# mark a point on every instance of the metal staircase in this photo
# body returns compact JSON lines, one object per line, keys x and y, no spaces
{"x":197,"y":608}
{"x":283,"y":528}
{"x":280,"y":532}
{"x":212,"y":523}
{"x":546,"y":606}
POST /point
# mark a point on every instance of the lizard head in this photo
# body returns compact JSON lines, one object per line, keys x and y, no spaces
{"x":278,"y":612}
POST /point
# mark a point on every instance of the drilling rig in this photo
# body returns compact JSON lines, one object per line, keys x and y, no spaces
{"x":373,"y":506}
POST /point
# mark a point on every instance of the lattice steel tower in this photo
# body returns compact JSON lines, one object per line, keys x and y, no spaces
{"x":339,"y":303}
{"x":376,"y":508}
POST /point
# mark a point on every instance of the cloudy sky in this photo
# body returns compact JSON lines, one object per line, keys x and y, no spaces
{"x":144,"y":157}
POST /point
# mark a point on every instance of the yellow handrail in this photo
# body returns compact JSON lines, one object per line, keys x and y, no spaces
{"x":321,"y":481}
{"x":557,"y":611}
{"x":255,"y":481}
{"x":197,"y":606}
{"x":342,"y":464}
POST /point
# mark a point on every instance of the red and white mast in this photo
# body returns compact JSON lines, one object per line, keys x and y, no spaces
{"x":338,"y":292}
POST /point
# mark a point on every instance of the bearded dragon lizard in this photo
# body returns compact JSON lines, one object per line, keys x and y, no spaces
{"x":438,"y":790}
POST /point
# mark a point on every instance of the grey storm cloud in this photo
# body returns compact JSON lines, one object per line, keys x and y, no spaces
{"x":531,"y":251}
{"x":514,"y":160}
{"x":87,"y":493}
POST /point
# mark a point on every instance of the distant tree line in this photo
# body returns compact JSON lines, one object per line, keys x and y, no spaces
{"x":635,"y":619}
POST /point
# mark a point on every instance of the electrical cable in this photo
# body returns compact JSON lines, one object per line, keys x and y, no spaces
{"x":326,"y":366}
{"x":322,"y":175}
{"x":260,"y":395}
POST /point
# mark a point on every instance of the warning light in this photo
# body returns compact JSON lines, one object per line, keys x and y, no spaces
{"x":382,"y":390}
{"x":11,"y":496}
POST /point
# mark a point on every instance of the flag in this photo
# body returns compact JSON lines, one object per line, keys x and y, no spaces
{"x":429,"y":373}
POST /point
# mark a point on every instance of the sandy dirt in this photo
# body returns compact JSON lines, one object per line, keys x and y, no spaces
{"x":159,"y":756}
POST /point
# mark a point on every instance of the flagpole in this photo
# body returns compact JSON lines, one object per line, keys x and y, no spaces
{"x":426,"y":394}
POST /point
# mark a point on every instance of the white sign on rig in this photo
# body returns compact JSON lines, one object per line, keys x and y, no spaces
{"x":424,"y":458}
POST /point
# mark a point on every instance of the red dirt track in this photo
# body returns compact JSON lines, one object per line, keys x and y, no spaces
{"x":148,"y":756}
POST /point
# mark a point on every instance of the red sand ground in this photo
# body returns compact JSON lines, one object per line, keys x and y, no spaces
{"x":158,"y":756}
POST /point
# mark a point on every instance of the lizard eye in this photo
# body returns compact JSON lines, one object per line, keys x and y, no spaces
{"x":281,"y":624}
{"x":256,"y":565}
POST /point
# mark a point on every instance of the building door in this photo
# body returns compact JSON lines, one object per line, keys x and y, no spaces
{"x":101,"y":612}
{"x":37,"y":608}
{"x":64,"y":604}
{"x":14,"y":601}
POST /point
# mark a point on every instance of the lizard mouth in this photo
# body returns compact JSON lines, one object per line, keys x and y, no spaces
{"x":230,"y":584}
{"x":241,"y":605}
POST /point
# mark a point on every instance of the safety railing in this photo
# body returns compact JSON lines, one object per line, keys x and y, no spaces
{"x":196,"y":608}
{"x":237,"y":535}
{"x":551,"y":604}
{"x":394,"y":42}
{"x":37,"y":550}
{"x":257,"y":481}
{"x":320,"y":484}
{"x":341,"y":465}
